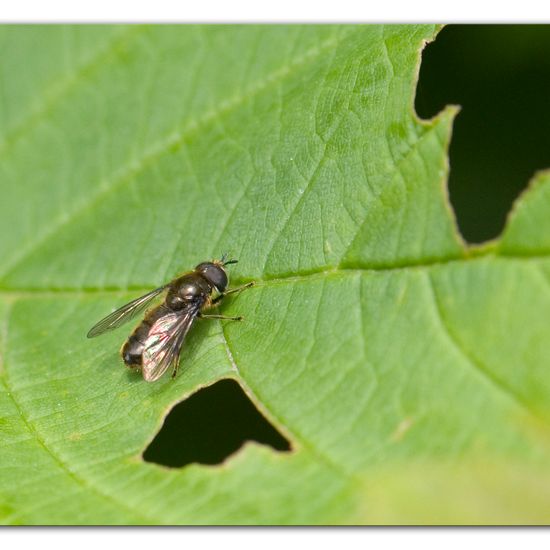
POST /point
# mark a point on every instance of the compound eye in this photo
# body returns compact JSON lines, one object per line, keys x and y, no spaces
{"x":214,"y":274}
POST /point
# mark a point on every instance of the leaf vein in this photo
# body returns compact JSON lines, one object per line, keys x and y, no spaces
{"x":284,"y":426}
{"x":175,"y":138}
{"x":40,"y":440}
{"x":474,"y":362}
{"x":52,"y":96}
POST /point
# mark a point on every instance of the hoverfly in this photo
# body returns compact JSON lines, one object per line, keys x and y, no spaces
{"x":155,"y":344}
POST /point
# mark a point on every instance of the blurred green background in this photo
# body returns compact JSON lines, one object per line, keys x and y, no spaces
{"x":500,"y":76}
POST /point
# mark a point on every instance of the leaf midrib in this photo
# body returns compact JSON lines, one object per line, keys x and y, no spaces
{"x":351,"y":478}
{"x":14,"y":293}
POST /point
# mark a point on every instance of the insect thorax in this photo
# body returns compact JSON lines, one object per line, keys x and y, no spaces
{"x":189,"y":289}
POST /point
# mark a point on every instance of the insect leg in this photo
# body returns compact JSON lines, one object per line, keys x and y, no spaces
{"x":224,"y":317}
{"x":175,"y":371}
{"x":232,"y":291}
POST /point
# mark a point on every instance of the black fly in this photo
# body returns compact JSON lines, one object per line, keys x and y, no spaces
{"x":155,"y":344}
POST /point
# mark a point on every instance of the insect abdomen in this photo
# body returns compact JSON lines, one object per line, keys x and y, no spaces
{"x":132,"y":349}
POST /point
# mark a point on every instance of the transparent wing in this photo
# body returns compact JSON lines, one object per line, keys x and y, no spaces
{"x":162,"y":347}
{"x":124,"y":314}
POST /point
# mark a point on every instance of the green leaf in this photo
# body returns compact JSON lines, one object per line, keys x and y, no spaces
{"x":407,"y":370}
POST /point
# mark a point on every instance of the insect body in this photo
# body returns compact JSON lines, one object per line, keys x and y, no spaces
{"x":155,"y":344}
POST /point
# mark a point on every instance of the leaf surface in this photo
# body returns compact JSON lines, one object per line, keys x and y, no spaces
{"x":396,"y":360}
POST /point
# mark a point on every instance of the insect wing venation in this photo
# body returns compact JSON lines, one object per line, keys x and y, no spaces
{"x":164,"y":341}
{"x":124,"y":314}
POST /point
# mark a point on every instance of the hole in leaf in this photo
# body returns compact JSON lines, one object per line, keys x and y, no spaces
{"x":500,"y":75}
{"x":211,"y":425}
